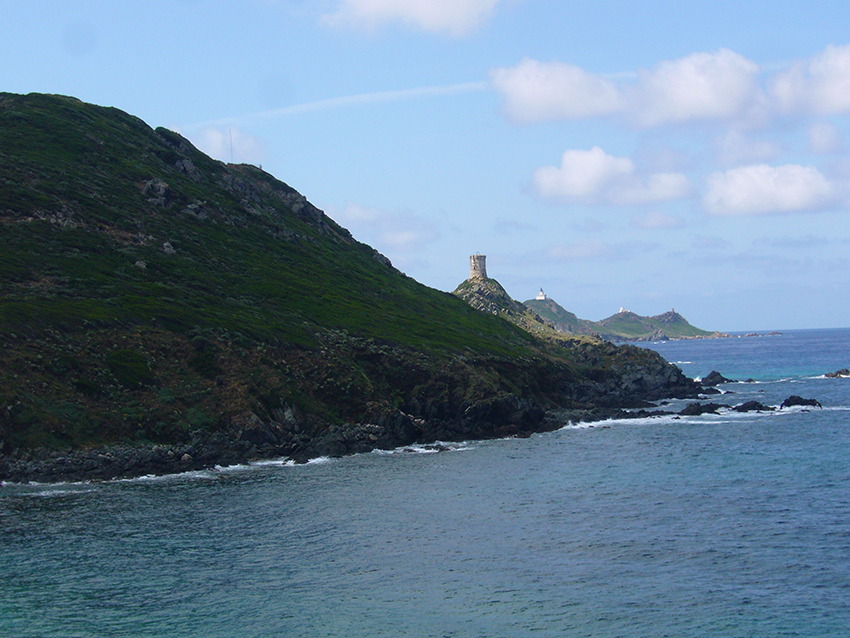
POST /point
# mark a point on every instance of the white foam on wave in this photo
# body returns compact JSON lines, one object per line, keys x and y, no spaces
{"x":724,"y":415}
{"x":319,"y":460}
{"x":276,"y":462}
{"x":49,"y":491}
{"x":53,"y":488}
{"x":174,"y":476}
{"x":217,"y":472}
{"x":426,"y":448}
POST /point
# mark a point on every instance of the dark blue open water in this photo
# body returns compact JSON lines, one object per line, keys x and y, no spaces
{"x":730,"y":525}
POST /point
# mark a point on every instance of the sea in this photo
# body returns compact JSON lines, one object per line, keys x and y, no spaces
{"x":735,"y":524}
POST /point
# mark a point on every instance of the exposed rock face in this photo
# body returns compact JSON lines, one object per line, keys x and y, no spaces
{"x":714,"y":378}
{"x":753,"y":406}
{"x":157,"y":192}
{"x":696,"y":409}
{"x":795,"y":400}
{"x":487,"y":295}
{"x":838,"y":374}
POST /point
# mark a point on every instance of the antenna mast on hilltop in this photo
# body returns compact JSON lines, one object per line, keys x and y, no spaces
{"x":231,"y":145}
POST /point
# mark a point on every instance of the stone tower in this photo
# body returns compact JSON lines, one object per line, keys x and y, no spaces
{"x":478,"y":267}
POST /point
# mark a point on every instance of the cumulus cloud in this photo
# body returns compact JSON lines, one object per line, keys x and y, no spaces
{"x":455,"y":17}
{"x":217,"y":142}
{"x":701,"y":86}
{"x":535,"y":91}
{"x":390,"y":232}
{"x":594,"y":177}
{"x":820,"y":85}
{"x":762,"y":189}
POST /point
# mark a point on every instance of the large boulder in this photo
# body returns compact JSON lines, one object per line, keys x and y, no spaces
{"x":714,"y":378}
{"x":696,"y":409}
{"x":795,"y":400}
{"x":752,"y":406}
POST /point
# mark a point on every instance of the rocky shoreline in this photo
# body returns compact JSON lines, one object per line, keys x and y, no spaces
{"x":264,"y":441}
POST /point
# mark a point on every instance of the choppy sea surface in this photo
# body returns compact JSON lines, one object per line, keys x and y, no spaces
{"x":718,"y":525}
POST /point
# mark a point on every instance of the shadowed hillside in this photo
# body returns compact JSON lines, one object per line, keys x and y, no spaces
{"x":153,"y":295}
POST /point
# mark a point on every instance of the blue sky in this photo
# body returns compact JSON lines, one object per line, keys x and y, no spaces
{"x":680,"y":155}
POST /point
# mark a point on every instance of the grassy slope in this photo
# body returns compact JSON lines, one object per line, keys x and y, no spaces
{"x":62,"y":160}
{"x":563,"y":319}
{"x":236,"y":320}
{"x":623,"y":325}
{"x":148,"y":291}
{"x":632,"y":326}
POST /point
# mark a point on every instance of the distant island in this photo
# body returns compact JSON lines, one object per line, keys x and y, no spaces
{"x":545,"y":317}
{"x":622,"y":326}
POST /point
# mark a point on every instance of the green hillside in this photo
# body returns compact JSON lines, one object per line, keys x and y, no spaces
{"x":91,"y":196}
{"x":562,"y":319}
{"x":623,"y":326}
{"x":149,"y":293}
{"x":627,"y":325}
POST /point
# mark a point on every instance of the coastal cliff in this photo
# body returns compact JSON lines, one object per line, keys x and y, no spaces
{"x":163,"y":311}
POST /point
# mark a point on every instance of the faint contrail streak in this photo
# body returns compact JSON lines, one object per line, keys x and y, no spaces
{"x":349,"y":100}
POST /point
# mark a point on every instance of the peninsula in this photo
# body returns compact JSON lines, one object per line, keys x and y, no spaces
{"x":163,"y":311}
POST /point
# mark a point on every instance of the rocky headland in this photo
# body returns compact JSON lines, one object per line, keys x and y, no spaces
{"x":162,"y":311}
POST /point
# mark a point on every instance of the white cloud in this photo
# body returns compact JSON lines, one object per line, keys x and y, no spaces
{"x":534,"y":91}
{"x":763,"y":189}
{"x":390,"y":232}
{"x":825,"y":138}
{"x":595,"y":177}
{"x":819,"y":86}
{"x":582,"y":174}
{"x":455,"y":17}
{"x":701,"y":86}
{"x":230,"y":144}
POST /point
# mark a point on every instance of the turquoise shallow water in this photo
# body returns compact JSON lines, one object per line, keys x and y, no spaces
{"x":728,"y":525}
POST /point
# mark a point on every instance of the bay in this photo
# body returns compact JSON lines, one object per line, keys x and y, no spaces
{"x":718,"y":525}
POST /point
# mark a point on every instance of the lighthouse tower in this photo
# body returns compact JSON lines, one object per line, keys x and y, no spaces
{"x":478,"y":267}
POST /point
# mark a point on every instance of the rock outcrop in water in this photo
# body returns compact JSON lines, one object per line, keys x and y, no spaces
{"x":714,"y":378}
